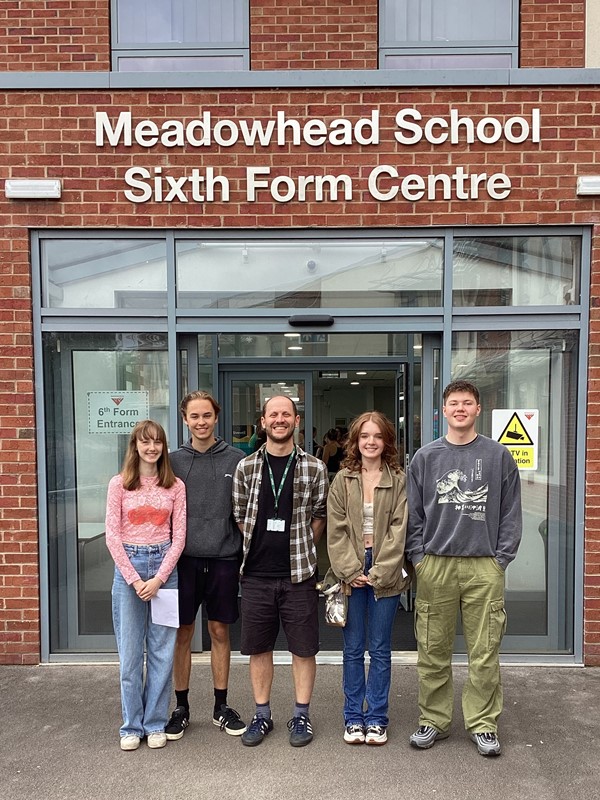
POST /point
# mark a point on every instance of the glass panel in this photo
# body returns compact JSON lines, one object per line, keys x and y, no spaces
{"x":247,"y":400}
{"x":161,"y":21}
{"x":516,"y":271}
{"x":534,"y":370}
{"x":104,"y":273}
{"x":311,"y":274}
{"x":303,"y":345}
{"x":195,"y":63}
{"x":447,"y":61}
{"x":97,"y":387}
{"x":443,"y":21}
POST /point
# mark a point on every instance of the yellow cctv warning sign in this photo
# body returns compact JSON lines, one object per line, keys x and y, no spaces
{"x":515,"y":433}
{"x":517,"y":430}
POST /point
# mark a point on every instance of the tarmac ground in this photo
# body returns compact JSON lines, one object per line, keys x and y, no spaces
{"x":60,"y":740}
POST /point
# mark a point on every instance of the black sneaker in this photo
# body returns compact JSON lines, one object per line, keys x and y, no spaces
{"x":180,"y":719}
{"x":301,"y":732}
{"x":229,"y":721}
{"x":257,"y":730}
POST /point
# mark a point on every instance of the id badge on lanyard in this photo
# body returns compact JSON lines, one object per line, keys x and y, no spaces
{"x":274,"y":523}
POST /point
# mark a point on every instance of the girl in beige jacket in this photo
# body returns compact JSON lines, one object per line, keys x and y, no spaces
{"x":366,"y":530}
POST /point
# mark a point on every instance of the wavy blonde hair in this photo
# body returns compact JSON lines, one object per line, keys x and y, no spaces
{"x":389,"y":456}
{"x":146,"y":429}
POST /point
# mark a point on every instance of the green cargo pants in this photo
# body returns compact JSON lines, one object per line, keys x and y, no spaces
{"x":476,"y":587}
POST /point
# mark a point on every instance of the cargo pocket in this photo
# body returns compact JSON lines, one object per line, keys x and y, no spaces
{"x":422,"y":624}
{"x":497,"y":624}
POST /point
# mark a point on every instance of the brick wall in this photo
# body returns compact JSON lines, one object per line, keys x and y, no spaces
{"x":19,"y":576}
{"x":331,"y":34}
{"x":60,"y":143}
{"x":65,"y":35}
{"x":552,"y":34}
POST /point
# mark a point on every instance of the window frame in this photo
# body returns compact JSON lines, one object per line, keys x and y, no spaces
{"x":125,"y":49}
{"x":389,"y":47}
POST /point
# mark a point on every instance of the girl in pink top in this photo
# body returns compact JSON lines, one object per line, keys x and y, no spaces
{"x":145,"y":534}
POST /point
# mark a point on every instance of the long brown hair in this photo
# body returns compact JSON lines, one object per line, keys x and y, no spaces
{"x":353,"y":457}
{"x":146,"y":429}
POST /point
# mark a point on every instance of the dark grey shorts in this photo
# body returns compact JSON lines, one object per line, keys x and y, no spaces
{"x":267,"y":602}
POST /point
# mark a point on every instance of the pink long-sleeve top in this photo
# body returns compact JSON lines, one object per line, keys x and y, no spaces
{"x":148,"y":515}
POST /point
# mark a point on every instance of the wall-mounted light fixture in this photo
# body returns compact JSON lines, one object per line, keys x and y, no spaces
{"x":588,"y":184}
{"x":32,"y":188}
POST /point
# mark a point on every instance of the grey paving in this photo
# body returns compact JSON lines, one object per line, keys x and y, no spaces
{"x":60,"y":740}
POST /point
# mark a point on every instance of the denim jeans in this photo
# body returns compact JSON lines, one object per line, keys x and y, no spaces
{"x":145,"y":705}
{"x":365,"y":612}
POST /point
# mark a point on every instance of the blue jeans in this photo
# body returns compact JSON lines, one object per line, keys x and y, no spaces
{"x":145,"y":705}
{"x":365,"y":611}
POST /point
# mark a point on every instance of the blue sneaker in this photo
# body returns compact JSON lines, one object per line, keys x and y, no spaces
{"x":256,"y":731}
{"x":301,"y":732}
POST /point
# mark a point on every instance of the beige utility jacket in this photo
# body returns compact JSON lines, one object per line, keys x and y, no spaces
{"x":345,"y":543}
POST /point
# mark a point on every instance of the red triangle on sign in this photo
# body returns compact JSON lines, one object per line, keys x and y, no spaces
{"x":529,"y":414}
{"x":117,"y":400}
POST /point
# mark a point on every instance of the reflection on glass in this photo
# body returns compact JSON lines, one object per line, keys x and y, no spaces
{"x":516,"y":271}
{"x":309,"y":274}
{"x":247,"y":400}
{"x":130,"y":372}
{"x":312,"y":345}
{"x":538,"y":370}
{"x":447,"y":61}
{"x":104,"y":273}
{"x":199,"y":63}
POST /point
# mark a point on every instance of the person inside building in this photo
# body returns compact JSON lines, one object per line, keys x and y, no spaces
{"x":464,"y":529}
{"x":145,"y":535}
{"x":366,"y":531}
{"x":332,"y":452}
{"x":280,"y":504}
{"x":209,"y":566}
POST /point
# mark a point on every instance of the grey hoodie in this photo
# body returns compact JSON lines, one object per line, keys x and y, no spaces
{"x":211,"y":529}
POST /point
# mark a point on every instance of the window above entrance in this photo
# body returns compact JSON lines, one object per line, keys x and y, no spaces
{"x":310,"y":274}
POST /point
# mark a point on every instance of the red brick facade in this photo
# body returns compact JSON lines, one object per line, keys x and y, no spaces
{"x":51,"y":133}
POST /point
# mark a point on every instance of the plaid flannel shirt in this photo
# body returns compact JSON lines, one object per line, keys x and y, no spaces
{"x":310,"y":489}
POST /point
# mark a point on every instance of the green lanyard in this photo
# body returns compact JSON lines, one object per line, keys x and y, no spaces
{"x":277,"y":494}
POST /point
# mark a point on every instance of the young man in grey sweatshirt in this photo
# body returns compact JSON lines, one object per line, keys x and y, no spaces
{"x":208,"y":569}
{"x":464,"y":528}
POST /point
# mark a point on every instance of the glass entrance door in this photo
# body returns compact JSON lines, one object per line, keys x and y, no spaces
{"x":327,"y":401}
{"x":97,"y":387}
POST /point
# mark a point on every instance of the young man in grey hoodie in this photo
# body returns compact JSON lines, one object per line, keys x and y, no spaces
{"x":208,"y":569}
{"x":464,"y":529}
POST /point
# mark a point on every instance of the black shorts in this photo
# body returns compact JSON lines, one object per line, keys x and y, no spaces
{"x":211,"y":581}
{"x":266,"y":602}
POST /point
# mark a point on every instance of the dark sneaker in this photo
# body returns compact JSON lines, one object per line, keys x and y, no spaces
{"x":229,"y":721}
{"x":376,"y":734}
{"x":301,"y":732}
{"x":354,"y":734}
{"x":180,"y":719}
{"x":257,"y":730}
{"x":426,"y":736}
{"x":487,"y":743}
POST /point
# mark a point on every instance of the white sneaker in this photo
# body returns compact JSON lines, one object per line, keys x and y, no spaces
{"x":375,"y":734}
{"x":130,"y":742}
{"x":156,"y":740}
{"x":354,"y":734}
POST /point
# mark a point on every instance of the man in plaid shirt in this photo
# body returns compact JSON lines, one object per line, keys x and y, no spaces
{"x":280,"y":505}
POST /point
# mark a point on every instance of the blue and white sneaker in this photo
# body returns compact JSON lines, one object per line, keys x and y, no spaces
{"x":301,"y":732}
{"x":257,"y":730}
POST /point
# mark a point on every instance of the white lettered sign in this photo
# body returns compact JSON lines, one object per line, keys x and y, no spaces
{"x":116,"y":412}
